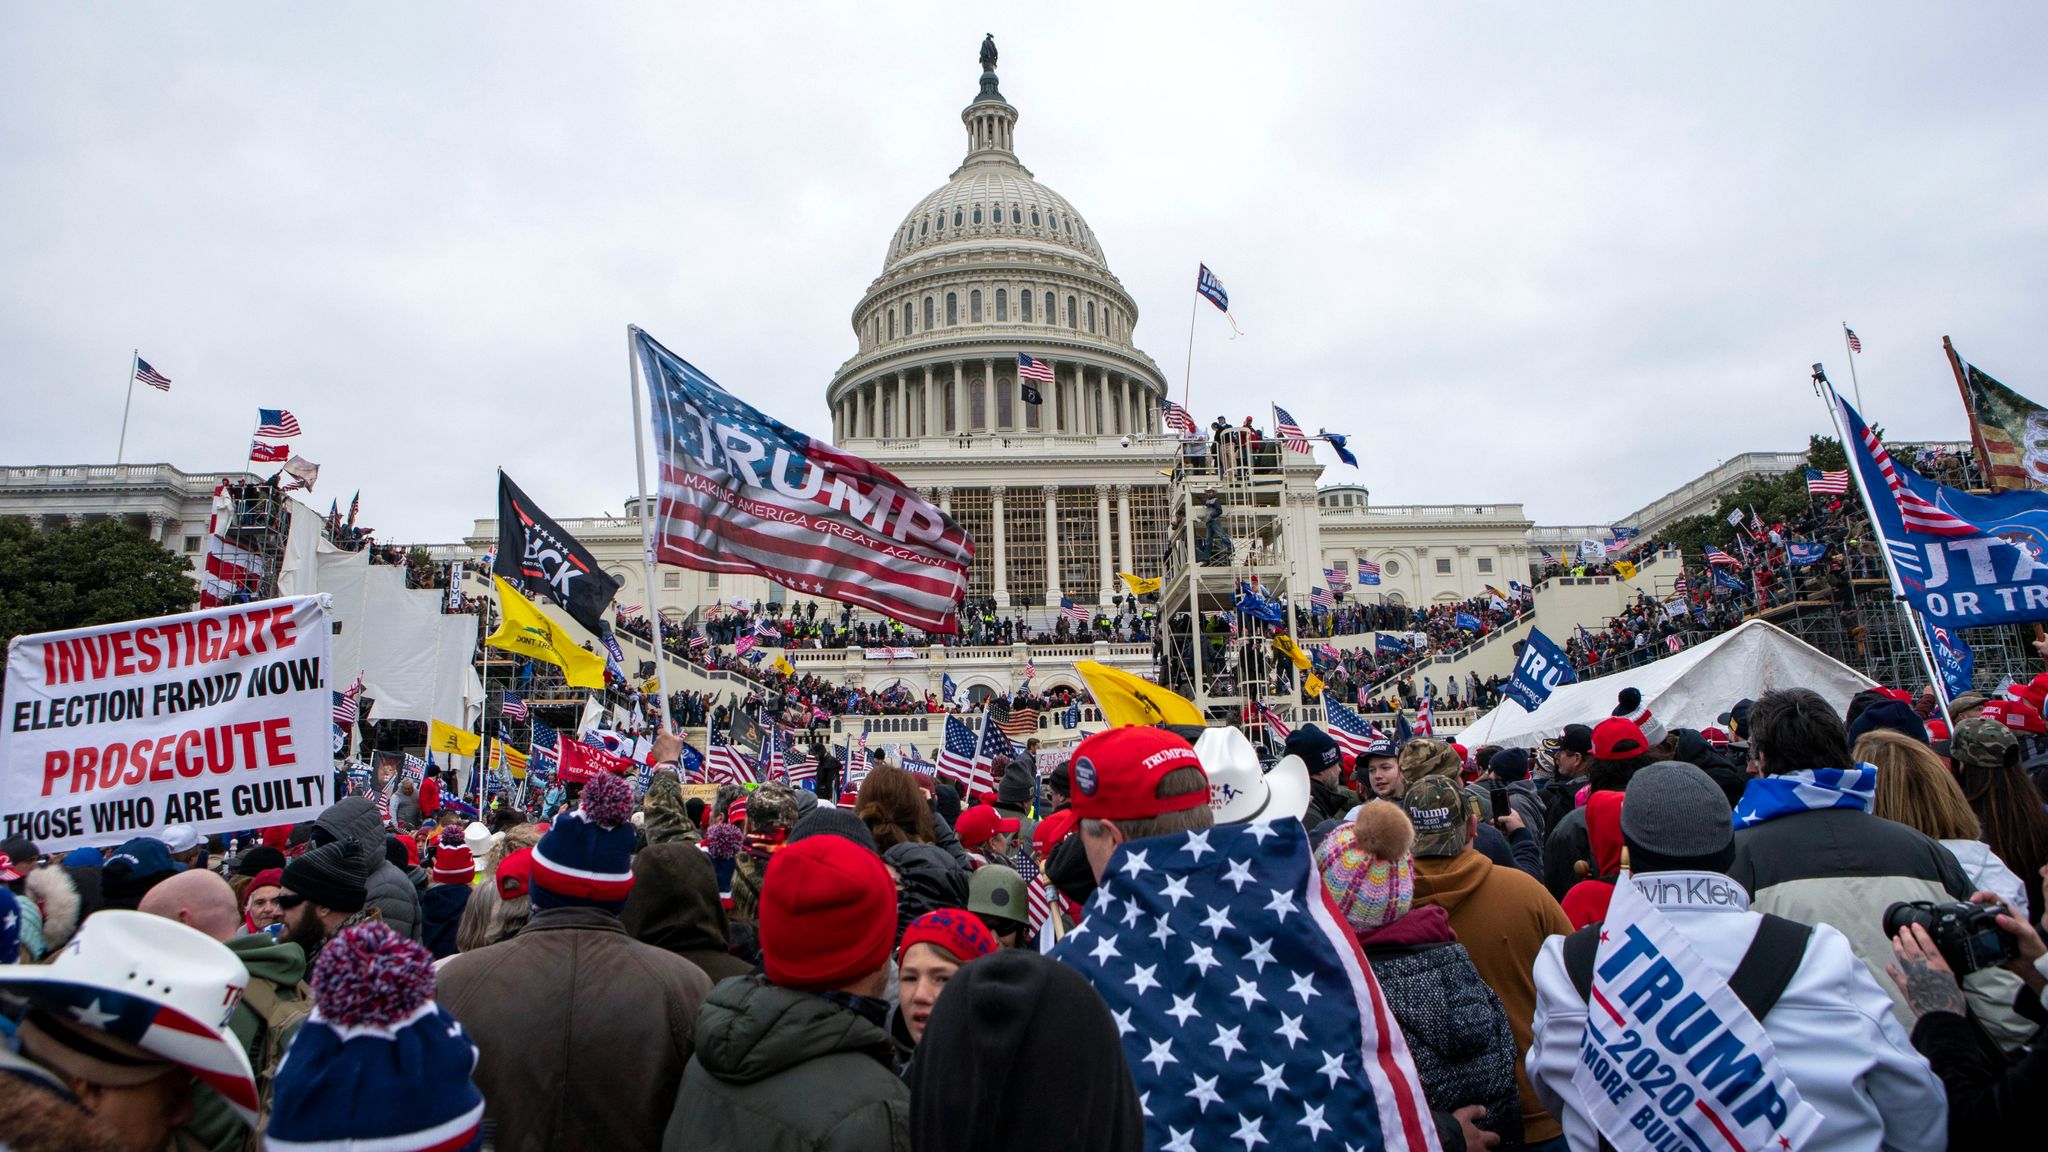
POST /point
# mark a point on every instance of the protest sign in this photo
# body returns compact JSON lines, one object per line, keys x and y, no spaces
{"x":217,"y":719}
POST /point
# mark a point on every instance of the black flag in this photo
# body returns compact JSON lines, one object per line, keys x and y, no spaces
{"x":543,"y":560}
{"x":1030,"y":392}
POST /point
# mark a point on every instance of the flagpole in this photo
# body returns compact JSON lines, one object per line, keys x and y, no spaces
{"x":1883,"y":546}
{"x":1850,"y":350}
{"x":1955,"y":362}
{"x":135,"y":362}
{"x":633,"y":383}
{"x":1188,"y":375}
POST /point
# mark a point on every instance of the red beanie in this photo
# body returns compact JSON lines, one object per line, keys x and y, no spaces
{"x":958,"y":932}
{"x":827,"y":914}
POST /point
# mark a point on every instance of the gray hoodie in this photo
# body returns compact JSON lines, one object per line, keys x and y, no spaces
{"x":391,"y":891}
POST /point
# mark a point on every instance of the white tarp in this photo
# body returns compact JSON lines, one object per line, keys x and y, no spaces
{"x":1688,"y":690}
{"x":415,"y":660}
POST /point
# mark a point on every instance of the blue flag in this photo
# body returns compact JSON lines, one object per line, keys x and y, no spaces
{"x":1261,"y":607}
{"x":1403,"y":732}
{"x":1468,"y":622}
{"x":1541,"y":669}
{"x":1071,"y":718}
{"x":1343,"y":453}
{"x":1800,"y":554}
{"x":1952,"y":657}
{"x":1211,"y":289}
{"x":1724,"y":579}
{"x":947,"y":687}
{"x":1962,"y":561}
{"x":1389,"y":644}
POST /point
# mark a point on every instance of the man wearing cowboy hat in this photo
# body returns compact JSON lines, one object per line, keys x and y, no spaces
{"x":119,"y":1026}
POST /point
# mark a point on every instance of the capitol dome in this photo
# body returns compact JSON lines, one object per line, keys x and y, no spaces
{"x":990,"y":267}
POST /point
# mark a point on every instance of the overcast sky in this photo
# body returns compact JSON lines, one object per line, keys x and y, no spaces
{"x":1570,"y":255}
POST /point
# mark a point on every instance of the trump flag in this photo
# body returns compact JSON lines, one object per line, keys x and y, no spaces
{"x":742,"y":492}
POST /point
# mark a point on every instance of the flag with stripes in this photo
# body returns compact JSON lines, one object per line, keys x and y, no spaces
{"x":1916,"y":512}
{"x":345,"y":709}
{"x":1720,"y":559}
{"x":1425,"y":718}
{"x":276,"y":422}
{"x":1037,"y":895}
{"x":1178,"y":421}
{"x":628,"y":609}
{"x":956,"y":753}
{"x":1031,"y":369}
{"x":1076,"y":612}
{"x":857,"y":759}
{"x":1030,"y":670}
{"x":773,"y":764}
{"x":1368,"y":572}
{"x":513,"y":705}
{"x":1284,"y":424}
{"x":1019,"y":723}
{"x":1681,"y":588}
{"x":992,"y":743}
{"x":1322,"y":599}
{"x":757,"y":497}
{"x":1338,"y":576}
{"x":151,"y":376}
{"x":1281,"y":729}
{"x":699,"y":640}
{"x":1351,"y":731}
{"x":1820,"y":483}
{"x":1855,"y":344}
{"x":726,"y":763}
{"x":543,"y":738}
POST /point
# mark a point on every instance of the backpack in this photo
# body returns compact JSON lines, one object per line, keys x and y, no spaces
{"x":278,"y":1021}
{"x":1765,"y":971}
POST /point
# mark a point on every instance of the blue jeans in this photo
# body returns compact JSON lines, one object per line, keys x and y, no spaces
{"x":1554,"y":1144}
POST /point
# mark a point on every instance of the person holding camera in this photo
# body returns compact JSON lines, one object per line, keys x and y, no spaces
{"x":1992,"y":1098}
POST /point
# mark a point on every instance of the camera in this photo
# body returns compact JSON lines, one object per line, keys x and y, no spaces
{"x":1967,"y":935}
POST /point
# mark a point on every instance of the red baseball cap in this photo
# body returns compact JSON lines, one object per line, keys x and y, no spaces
{"x":980,"y":822}
{"x":1051,"y":830}
{"x":1618,"y":738}
{"x":1117,"y":774}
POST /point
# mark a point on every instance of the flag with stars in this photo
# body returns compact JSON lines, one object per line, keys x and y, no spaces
{"x":742,"y":492}
{"x":956,"y":755}
{"x":1246,"y":1008}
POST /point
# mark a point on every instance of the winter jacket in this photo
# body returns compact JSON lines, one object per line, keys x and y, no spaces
{"x":1567,"y":844}
{"x":1501,"y":916}
{"x":1456,"y":1029}
{"x":930,"y":881}
{"x":38,"y":1115}
{"x":1831,"y":1028}
{"x":675,"y":906}
{"x":281,"y":965}
{"x":1526,"y":798}
{"x":1843,"y":867}
{"x":1987,"y":873}
{"x":583,"y":1031}
{"x":54,"y":895}
{"x":1694,"y":749}
{"x":391,"y":891}
{"x":1327,"y":802}
{"x":1990,"y":1105}
{"x":778,"y":1070}
{"x":441,"y":909}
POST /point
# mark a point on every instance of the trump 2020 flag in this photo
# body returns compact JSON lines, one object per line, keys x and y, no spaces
{"x":742,"y":492}
{"x":1953,"y":657}
{"x":1247,"y":1012}
{"x":1542,"y":667}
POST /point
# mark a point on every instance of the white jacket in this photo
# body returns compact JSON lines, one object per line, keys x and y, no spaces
{"x":1833,"y":1029}
{"x":1990,"y":874}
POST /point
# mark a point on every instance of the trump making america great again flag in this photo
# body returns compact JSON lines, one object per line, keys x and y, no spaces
{"x":742,"y":492}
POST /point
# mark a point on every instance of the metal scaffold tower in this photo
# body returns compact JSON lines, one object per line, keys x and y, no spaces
{"x":1865,"y":627}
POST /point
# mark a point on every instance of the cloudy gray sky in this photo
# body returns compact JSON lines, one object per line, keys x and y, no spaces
{"x":1570,"y":255}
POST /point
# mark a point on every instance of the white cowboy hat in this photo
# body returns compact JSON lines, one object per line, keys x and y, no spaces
{"x":155,"y":984}
{"x":1239,"y":792}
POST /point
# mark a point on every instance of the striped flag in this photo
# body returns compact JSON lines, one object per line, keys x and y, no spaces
{"x":1019,"y":723}
{"x":1351,"y":731}
{"x":1368,"y":572}
{"x":629,"y":609}
{"x":1425,"y":718}
{"x":726,"y":763}
{"x":1030,"y":369}
{"x":992,"y":743}
{"x":151,"y":376}
{"x":1271,"y":719}
{"x":1030,"y":670}
{"x":1178,"y":420}
{"x":1681,"y":588}
{"x":1072,"y":611}
{"x":956,"y":755}
{"x":1322,"y":598}
{"x":1720,"y":559}
{"x":514,"y":706}
{"x":699,"y":641}
{"x":1338,"y":576}
{"x":544,"y":738}
{"x":345,"y":710}
{"x":1037,"y":896}
{"x":1855,"y":344}
{"x":276,"y":422}
{"x":1820,"y":483}
{"x":1916,"y":512}
{"x":1283,"y":423}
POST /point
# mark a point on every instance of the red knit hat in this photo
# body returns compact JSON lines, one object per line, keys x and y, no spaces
{"x":827,"y":914}
{"x":453,"y":864}
{"x":1117,"y":774}
{"x":958,"y":932}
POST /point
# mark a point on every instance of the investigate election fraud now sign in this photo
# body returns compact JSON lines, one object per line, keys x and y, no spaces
{"x":218,"y":719}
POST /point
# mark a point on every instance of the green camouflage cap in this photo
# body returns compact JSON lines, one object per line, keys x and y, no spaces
{"x":1982,"y":742}
{"x":772,"y":806}
{"x":1436,"y":806}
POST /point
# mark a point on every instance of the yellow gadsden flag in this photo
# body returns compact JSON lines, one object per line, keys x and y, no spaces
{"x":783,"y":666}
{"x":1285,"y":645}
{"x":529,"y":633}
{"x":1132,"y":700}
{"x":453,"y":741}
{"x":1139,"y":585}
{"x":1626,"y":569}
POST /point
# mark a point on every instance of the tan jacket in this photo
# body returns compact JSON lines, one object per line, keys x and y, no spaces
{"x":582,"y":1032}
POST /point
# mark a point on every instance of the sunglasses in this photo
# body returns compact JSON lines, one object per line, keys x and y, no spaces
{"x":289,"y":900}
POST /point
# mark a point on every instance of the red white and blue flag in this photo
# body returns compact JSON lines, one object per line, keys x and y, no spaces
{"x":1351,"y":731}
{"x":1916,"y":512}
{"x":742,"y":492}
{"x":1271,"y":719}
{"x":276,"y":422}
{"x":513,"y":705}
{"x":726,"y":763}
{"x":1283,"y":423}
{"x":1030,"y":369}
{"x":1072,"y":611}
{"x":1368,"y":572}
{"x":1425,"y":718}
{"x":151,"y":376}
{"x":1322,"y":598}
{"x":1720,"y":559}
{"x":1178,"y":421}
{"x":956,"y":755}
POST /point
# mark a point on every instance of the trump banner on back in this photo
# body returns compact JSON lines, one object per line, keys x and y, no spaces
{"x":743,"y":492}
{"x":216,"y":719}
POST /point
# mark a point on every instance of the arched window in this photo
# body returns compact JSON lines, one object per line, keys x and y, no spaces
{"x":1070,"y":225}
{"x":892,"y":323}
{"x":1023,"y":305}
{"x":977,"y":213}
{"x":974,"y":306}
{"x":925,"y":228}
{"x":941,"y":219}
{"x":1016,"y":215}
{"x":927,"y":313}
{"x":908,"y":316}
{"x":1034,"y":217}
{"x":1051,"y":311}
{"x":952,"y":309}
{"x":1073,"y":313}
{"x":1091,"y":317}
{"x":1002,"y":305}
{"x":956,"y":217}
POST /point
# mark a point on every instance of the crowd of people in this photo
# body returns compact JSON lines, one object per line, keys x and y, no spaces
{"x":1111,"y":952}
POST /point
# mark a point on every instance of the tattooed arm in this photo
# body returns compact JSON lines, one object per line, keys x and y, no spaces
{"x":1926,"y":980}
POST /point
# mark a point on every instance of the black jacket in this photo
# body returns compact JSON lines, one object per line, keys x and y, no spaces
{"x":1991,"y":1103}
{"x":930,"y":880}
{"x":674,"y":906}
{"x":441,"y":909}
{"x":1327,"y":802}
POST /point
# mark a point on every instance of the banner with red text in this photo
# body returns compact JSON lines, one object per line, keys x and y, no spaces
{"x":580,"y":763}
{"x":217,"y":719}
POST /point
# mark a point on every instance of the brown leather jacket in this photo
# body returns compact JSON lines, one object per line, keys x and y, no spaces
{"x":583,"y":1032}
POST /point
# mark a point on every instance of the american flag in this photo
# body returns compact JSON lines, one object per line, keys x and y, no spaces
{"x":1290,"y":431}
{"x":1030,"y":369}
{"x":1682,"y":587}
{"x":1038,"y":898}
{"x":956,"y":755}
{"x":1673,"y":643}
{"x":1072,"y":611}
{"x":1178,"y":939}
{"x":1338,"y":576}
{"x":151,"y":376}
{"x":857,"y":759}
{"x":1820,"y":483}
{"x":268,"y":453}
{"x":629,"y":609}
{"x":727,"y":764}
{"x":829,"y":524}
{"x":1368,"y":572}
{"x":1916,"y":512}
{"x":1178,"y":420}
{"x":1019,"y":723}
{"x":1030,"y":669}
{"x":981,"y":773}
{"x":1425,"y":718}
{"x":1348,"y":728}
{"x":1271,"y":719}
{"x":276,"y":422}
{"x":1855,"y":345}
{"x":1721,"y":559}
{"x":802,"y":769}
{"x":1322,"y":598}
{"x":513,"y":706}
{"x":544,"y":738}
{"x":699,"y":641}
{"x":1756,"y":525}
{"x":773,"y":766}
{"x":345,"y":710}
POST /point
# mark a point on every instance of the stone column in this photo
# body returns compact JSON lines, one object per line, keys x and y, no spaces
{"x":1052,"y":546}
{"x":1122,"y":423}
{"x":1123,"y":517}
{"x":902,"y":404}
{"x":946,"y":497}
{"x":1102,"y":539}
{"x":1017,"y":419}
{"x":1001,"y":567}
{"x":988,"y":389}
{"x":958,"y":407}
{"x":931,"y":405}
{"x":157,"y":521}
{"x":855,"y":405}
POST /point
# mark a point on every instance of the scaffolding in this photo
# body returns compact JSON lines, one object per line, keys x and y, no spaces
{"x":249,"y":537}
{"x":1228,"y":534}
{"x":1865,"y":626}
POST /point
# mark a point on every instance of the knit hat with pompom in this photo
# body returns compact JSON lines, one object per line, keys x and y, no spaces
{"x":586,"y":859}
{"x":1368,"y":868}
{"x":378,"y":1064}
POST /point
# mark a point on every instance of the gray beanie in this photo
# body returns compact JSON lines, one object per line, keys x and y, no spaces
{"x":1674,"y":810}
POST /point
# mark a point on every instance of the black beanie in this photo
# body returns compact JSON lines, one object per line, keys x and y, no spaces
{"x":258,"y":860}
{"x":823,"y":821}
{"x":1510,"y":764}
{"x":333,"y":876}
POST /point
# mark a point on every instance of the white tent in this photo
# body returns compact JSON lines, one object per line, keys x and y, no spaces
{"x":1688,"y":690}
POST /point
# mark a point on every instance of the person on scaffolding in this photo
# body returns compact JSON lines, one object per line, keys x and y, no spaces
{"x":1214,"y":546}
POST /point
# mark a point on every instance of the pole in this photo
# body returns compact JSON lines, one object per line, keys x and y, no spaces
{"x":1850,"y":351}
{"x":135,"y":361}
{"x":1188,"y":375}
{"x":647,"y":525}
{"x":1987,"y":470}
{"x":1883,"y":547}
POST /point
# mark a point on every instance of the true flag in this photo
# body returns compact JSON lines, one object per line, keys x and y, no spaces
{"x":525,"y":630}
{"x":506,"y":758}
{"x":1289,"y":431}
{"x":542,"y":559}
{"x":1072,"y":611}
{"x":956,"y":754}
{"x":1019,"y":724}
{"x":1425,"y":718}
{"x":1037,"y":897}
{"x":744,"y":645}
{"x":1139,"y":585}
{"x":726,"y":763}
{"x":452,"y":741}
{"x":1855,"y":345}
{"x":1178,"y":421}
{"x":2001,"y":424}
{"x":947,"y":686}
{"x":1322,"y":598}
{"x":513,"y":705}
{"x":1916,"y":512}
{"x":346,"y":711}
{"x":699,"y":640}
{"x":1337,"y":577}
{"x":544,"y":738}
{"x":741,"y":492}
{"x":1820,"y":483}
{"x":274,"y":422}
{"x":1681,"y":588}
{"x":1126,"y":698}
{"x":992,"y":742}
{"x":264,"y":453}
{"x":627,"y":609}
{"x":1339,"y":444}
{"x":151,"y":376}
{"x":1030,"y":670}
{"x":1029,"y":368}
{"x":1271,"y":719}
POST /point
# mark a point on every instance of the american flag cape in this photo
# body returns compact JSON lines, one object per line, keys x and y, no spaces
{"x":1236,"y":986}
{"x":742,"y":492}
